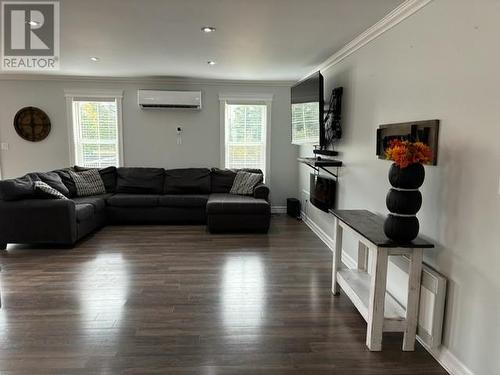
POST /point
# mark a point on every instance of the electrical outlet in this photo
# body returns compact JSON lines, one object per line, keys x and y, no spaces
{"x":4,"y":146}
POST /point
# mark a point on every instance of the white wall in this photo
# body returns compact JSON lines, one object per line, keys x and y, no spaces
{"x":149,"y":136}
{"x":441,"y":63}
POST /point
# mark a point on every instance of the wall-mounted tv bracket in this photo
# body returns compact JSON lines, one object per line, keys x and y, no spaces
{"x":331,"y":121}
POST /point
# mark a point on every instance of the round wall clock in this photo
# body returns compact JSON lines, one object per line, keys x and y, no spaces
{"x":32,"y":124}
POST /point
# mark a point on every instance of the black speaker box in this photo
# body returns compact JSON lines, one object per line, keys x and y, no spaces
{"x":293,"y":207}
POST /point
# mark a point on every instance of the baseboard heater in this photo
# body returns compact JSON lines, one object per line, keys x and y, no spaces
{"x":432,"y":301}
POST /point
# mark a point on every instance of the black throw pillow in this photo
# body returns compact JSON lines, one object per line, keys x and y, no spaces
{"x":16,"y":189}
{"x":52,"y":179}
{"x":67,"y":181}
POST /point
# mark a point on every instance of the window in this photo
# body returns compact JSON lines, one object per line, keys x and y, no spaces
{"x":305,"y":124}
{"x":96,"y":130}
{"x":245,"y":136}
{"x":245,"y":133}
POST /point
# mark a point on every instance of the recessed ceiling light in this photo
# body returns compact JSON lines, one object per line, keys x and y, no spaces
{"x":211,"y":62}
{"x":33,"y":23}
{"x":95,"y":59}
{"x":208,"y":29}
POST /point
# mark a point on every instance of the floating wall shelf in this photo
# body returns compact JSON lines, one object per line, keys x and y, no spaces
{"x":322,"y":164}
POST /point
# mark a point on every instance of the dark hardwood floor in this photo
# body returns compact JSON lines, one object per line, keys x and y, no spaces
{"x":177,"y":300}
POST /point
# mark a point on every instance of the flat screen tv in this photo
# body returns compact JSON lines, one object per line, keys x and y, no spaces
{"x":307,"y":111}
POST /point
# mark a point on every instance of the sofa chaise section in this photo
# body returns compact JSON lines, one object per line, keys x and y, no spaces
{"x":236,"y":213}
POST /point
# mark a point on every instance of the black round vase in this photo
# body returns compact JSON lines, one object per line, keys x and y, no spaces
{"x":403,"y":201}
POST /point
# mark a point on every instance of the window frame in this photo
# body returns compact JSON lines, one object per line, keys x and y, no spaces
{"x":247,"y":99}
{"x":93,"y":95}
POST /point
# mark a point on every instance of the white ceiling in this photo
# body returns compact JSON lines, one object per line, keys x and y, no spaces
{"x":255,"y":39}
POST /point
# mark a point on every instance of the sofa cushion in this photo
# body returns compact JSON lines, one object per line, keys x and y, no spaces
{"x":236,"y":204}
{"x":16,"y":189}
{"x":67,"y":181}
{"x":98,"y":201}
{"x":140,"y":180}
{"x":187,"y":181}
{"x":222,"y":179}
{"x":133,"y":200}
{"x":108,"y":176}
{"x":52,"y":179}
{"x":84,"y":212}
{"x":183,"y":200}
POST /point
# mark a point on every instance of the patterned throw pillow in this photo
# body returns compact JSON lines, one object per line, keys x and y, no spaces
{"x":88,"y":183}
{"x":245,"y":182}
{"x":48,"y":191}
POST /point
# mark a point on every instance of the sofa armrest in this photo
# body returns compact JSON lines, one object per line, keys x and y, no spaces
{"x":261,"y":191}
{"x":38,"y":221}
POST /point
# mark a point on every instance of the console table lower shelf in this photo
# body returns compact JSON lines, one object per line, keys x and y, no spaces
{"x":367,"y":291}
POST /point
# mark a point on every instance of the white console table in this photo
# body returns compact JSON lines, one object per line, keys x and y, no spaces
{"x":367,"y":291}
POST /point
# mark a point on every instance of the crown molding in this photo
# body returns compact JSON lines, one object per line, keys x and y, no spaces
{"x":143,"y":80}
{"x":94,"y":93}
{"x":403,"y":11}
{"x":399,"y":14}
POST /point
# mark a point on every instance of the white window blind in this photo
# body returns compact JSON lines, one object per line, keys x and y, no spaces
{"x":95,"y":130}
{"x":305,"y":123}
{"x":245,"y":136}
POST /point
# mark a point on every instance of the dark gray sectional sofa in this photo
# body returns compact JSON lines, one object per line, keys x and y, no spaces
{"x":133,"y":196}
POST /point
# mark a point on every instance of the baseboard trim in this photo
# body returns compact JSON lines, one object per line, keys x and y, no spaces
{"x":278,"y":209}
{"x":442,"y":355}
{"x":346,"y":258}
{"x":402,"y":12}
{"x":447,"y":360}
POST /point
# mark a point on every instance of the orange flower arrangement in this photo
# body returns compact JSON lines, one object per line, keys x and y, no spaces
{"x":404,"y":153}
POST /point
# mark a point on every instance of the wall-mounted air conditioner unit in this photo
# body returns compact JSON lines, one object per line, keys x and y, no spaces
{"x":169,"y":99}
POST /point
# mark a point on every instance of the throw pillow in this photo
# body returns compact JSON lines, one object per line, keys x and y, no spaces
{"x":16,"y":189}
{"x":52,"y":179}
{"x":47,"y":191}
{"x":245,"y":182}
{"x":67,"y":181}
{"x":108,"y":176}
{"x":88,"y":183}
{"x":222,"y":179}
